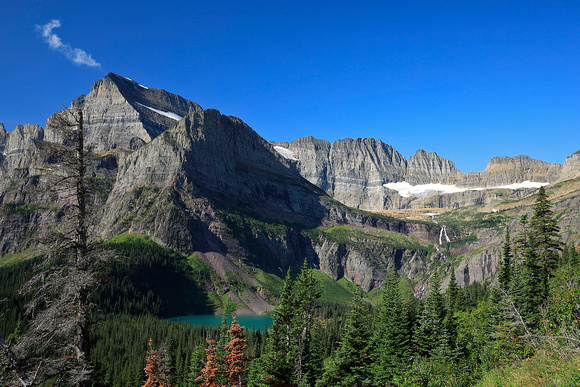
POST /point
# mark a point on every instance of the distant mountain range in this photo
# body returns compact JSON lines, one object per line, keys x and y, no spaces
{"x":206,"y":185}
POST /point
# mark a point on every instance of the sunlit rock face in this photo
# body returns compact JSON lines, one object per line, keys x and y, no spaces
{"x":351,"y":171}
{"x":571,"y":168}
{"x":424,"y":168}
{"x":371,"y":175}
{"x":119,"y":113}
{"x":505,"y":170}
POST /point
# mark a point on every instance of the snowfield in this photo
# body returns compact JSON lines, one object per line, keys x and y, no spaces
{"x":424,"y":190}
{"x":171,"y":115}
{"x":286,"y":153}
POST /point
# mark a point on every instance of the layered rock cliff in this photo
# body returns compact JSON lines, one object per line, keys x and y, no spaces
{"x":121,"y":113}
{"x":201,"y":182}
{"x":425,"y":168}
{"x":571,"y":168}
{"x":355,"y":171}
{"x":508,"y":170}
{"x":351,"y":171}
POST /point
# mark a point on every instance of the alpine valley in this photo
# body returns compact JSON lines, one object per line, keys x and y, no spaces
{"x":237,"y":210}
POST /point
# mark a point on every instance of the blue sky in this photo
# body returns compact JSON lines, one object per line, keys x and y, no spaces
{"x":466,"y":79}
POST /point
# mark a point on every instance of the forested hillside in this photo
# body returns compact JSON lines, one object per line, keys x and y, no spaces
{"x":203,"y":216}
{"x":524,"y":330}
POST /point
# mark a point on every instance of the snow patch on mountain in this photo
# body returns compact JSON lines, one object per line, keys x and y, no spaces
{"x":171,"y":115}
{"x":424,"y":190}
{"x":286,"y":153}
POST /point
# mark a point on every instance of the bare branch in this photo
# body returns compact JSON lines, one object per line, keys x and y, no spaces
{"x":506,"y":295}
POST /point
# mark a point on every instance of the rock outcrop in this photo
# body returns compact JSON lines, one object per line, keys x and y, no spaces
{"x":509,"y":170}
{"x":425,"y":168}
{"x":354,"y":172}
{"x":571,"y":168}
{"x":351,"y":171}
{"x":3,"y":138}
{"x":201,"y":182}
{"x":121,"y":113}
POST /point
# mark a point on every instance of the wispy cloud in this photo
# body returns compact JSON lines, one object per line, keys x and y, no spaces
{"x":76,"y":55}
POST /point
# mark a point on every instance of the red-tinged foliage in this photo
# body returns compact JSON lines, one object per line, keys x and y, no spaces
{"x":210,"y":372}
{"x":235,"y":359}
{"x":155,"y":368}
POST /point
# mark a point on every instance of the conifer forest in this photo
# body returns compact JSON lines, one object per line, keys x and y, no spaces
{"x":487,"y":334}
{"x":83,"y":311}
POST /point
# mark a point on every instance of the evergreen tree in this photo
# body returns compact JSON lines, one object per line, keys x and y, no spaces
{"x":506,"y":263}
{"x":222,"y":341}
{"x":278,"y":362}
{"x":306,"y":297}
{"x":573,"y":256}
{"x":195,"y":367}
{"x":211,"y":369}
{"x":389,"y":333}
{"x":235,"y":359}
{"x":431,"y":336}
{"x":529,"y":284}
{"x":546,"y":239}
{"x":349,"y":364}
{"x":452,"y":294}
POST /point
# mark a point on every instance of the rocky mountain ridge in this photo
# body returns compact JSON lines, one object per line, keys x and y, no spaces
{"x":205,"y":184}
{"x":354,"y":171}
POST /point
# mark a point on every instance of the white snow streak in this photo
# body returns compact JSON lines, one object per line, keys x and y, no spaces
{"x":525,"y":184}
{"x":286,"y":153}
{"x":424,"y":190}
{"x":171,"y":115}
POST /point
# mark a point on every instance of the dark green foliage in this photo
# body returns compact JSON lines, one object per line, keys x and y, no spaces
{"x":506,"y":263}
{"x":146,"y":280}
{"x":11,"y":302}
{"x":350,"y":363}
{"x":120,"y":346}
{"x":538,"y":247}
{"x":290,"y":356}
{"x":546,"y":240}
{"x":278,"y":361}
{"x":390,"y":335}
{"x":432,"y":337}
{"x":452,"y":294}
{"x":306,"y":297}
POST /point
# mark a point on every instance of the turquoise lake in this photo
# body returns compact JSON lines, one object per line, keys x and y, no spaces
{"x":214,"y":320}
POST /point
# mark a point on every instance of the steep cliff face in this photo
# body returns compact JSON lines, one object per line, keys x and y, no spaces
{"x":17,"y":140}
{"x":223,"y":157}
{"x":424,"y":168}
{"x":3,"y":138}
{"x":571,"y":168}
{"x":508,"y":170}
{"x":354,"y":171}
{"x":351,"y":171}
{"x":201,"y":182}
{"x":120,"y":113}
{"x":18,"y":152}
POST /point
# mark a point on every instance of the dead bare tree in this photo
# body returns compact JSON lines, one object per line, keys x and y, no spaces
{"x":57,"y":343}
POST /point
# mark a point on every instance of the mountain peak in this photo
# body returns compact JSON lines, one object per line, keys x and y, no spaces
{"x":120,"y":112}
